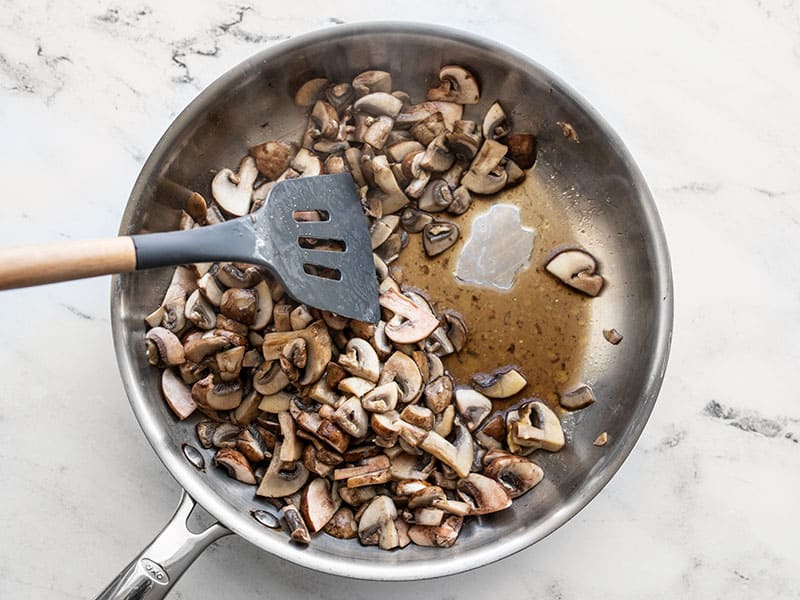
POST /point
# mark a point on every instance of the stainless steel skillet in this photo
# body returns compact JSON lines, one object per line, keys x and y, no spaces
{"x":610,"y":211}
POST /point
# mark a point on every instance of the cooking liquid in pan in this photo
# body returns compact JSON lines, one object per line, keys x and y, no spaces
{"x":539,"y":324}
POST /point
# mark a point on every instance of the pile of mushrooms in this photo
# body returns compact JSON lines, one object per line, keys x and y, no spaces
{"x":352,"y":428}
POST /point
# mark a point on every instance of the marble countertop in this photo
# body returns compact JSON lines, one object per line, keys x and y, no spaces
{"x":706,"y":96}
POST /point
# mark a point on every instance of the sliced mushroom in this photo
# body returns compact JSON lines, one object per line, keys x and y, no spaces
{"x":272,"y":158}
{"x":377,"y":524}
{"x":437,"y":157}
{"x":238,"y":275}
{"x":457,"y":455}
{"x":310,"y":91}
{"x":342,"y":524}
{"x":236,"y":464}
{"x":306,"y":163}
{"x":381,"y":399}
{"x":296,"y":524}
{"x":417,"y":415}
{"x":229,"y":363}
{"x":357,"y":496}
{"x":537,"y":427}
{"x":418,"y":322}
{"x":319,"y":349}
{"x":269,"y":379}
{"x":601,"y":440}
{"x":439,"y":236}
{"x":484,"y":495}
{"x":414,"y":220}
{"x":293,"y":359}
{"x":473,"y":407}
{"x":217,"y":396}
{"x":492,"y":433}
{"x":515,"y":473}
{"x":372,"y":81}
{"x":580,"y":397}
{"x":211,"y":288}
{"x":379,"y":103}
{"x":443,"y":536}
{"x":430,"y":517}
{"x":177,"y":394}
{"x":485,"y":176}
{"x":378,"y":131}
{"x":401,"y":369}
{"x":462,"y":200}
{"x":251,"y":443}
{"x":439,"y":393}
{"x":451,"y":112}
{"x":264,"y":305}
{"x":392,"y":197}
{"x":281,"y":480}
{"x":200,"y":311}
{"x":428,"y":128}
{"x":514,"y":174}
{"x":522,"y":149}
{"x":577,"y":269}
{"x":397,"y":152}
{"x":356,"y":386}
{"x":352,"y":417}
{"x":457,"y":85}
{"x":436,"y":197}
{"x":318,"y":504}
{"x":164,"y":349}
{"x":239,"y":305}
{"x":500,"y":383}
{"x":612,"y":336}
{"x":232,"y":191}
{"x":382,"y":229}
{"x":495,"y":124}
{"x":325,"y":120}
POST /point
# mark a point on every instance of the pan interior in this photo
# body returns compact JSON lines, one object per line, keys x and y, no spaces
{"x":588,"y":193}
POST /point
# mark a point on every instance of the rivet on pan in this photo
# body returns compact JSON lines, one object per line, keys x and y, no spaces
{"x":266,"y":518}
{"x":194,"y":456}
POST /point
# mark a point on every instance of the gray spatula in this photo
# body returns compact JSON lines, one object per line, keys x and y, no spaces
{"x":340,"y":278}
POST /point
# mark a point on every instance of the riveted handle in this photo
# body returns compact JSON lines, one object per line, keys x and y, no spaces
{"x":151,"y":575}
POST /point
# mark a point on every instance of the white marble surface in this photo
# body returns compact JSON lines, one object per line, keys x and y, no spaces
{"x":706,"y":95}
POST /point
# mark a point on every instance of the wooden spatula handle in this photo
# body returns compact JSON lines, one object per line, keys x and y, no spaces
{"x":62,"y":261}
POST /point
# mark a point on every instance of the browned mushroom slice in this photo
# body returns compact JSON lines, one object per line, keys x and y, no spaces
{"x":379,"y":103}
{"x":355,"y":386}
{"x":318,"y":343}
{"x":310,"y":91}
{"x":217,"y":396}
{"x":272,"y":158}
{"x":419,"y":416}
{"x":239,"y":305}
{"x":235,"y":464}
{"x":360,"y":359}
{"x":418,"y":322}
{"x":229,"y":363}
{"x":443,"y":423}
{"x":372,"y":81}
{"x":406,"y":487}
{"x":411,"y":115}
{"x":342,"y":524}
{"x":439,"y":236}
{"x":370,"y":465}
{"x":457,"y":455}
{"x":500,"y":383}
{"x":211,"y":288}
{"x":473,"y":407}
{"x":577,"y":269}
{"x":233,"y":191}
{"x":612,"y":336}
{"x":439,"y":393}
{"x":269,"y":378}
{"x":177,"y":394}
{"x":381,"y":399}
{"x":200,"y":311}
{"x":537,"y":427}
{"x":164,"y":349}
{"x":196,"y":349}
{"x":484,"y":495}
{"x":291,"y":448}
{"x":391,"y":197}
{"x":282,"y":480}
{"x":457,"y":85}
{"x":298,"y":530}
{"x":358,"y":496}
{"x":522,"y":149}
{"x":402,"y":369}
{"x":352,"y":417}
{"x":238,"y":275}
{"x":436,"y":197}
{"x":369,"y":479}
{"x":495,"y":123}
{"x":443,"y":536}
{"x":580,"y":397}
{"x":251,"y":443}
{"x":485,"y":175}
{"x":382,"y":229}
{"x":318,"y":504}
{"x":515,"y":473}
{"x":376,"y":525}
{"x":413,"y":220}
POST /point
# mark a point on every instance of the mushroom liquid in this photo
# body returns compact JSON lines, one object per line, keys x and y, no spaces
{"x":539,"y":324}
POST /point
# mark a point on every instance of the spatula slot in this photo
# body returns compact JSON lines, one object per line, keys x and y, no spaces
{"x":322,"y":272}
{"x":322,"y":244}
{"x":305,"y":216}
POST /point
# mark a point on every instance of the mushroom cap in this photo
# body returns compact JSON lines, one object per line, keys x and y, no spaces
{"x":515,"y":473}
{"x":233,"y":191}
{"x":495,"y":123}
{"x":360,"y":359}
{"x":544,"y":431}
{"x":352,"y":417}
{"x":200,"y":311}
{"x":318,"y":504}
{"x":319,"y":349}
{"x":503,"y":382}
{"x":164,"y":348}
{"x":439,"y":236}
{"x":576,"y":268}
{"x":402,"y":369}
{"x":372,"y":81}
{"x":177,"y":394}
{"x":473,"y":407}
{"x":310,"y":91}
{"x":236,"y":464}
{"x":483,"y":494}
{"x":342,"y":524}
{"x":418,"y":322}
{"x":376,"y":525}
{"x":379,"y":103}
{"x":581,"y":397}
{"x":279,"y":482}
{"x":457,"y":85}
{"x":272,"y":158}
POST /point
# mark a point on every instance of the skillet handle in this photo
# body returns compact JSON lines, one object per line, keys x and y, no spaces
{"x":151,"y":575}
